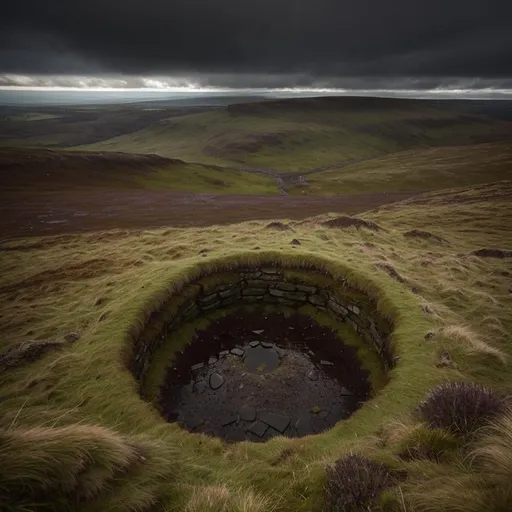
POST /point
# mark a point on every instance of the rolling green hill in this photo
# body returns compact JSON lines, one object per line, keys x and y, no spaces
{"x":299,"y":135}
{"x":415,"y":169}
{"x":42,"y":169}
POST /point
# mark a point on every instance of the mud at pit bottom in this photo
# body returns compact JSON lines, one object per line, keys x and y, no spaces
{"x":255,"y":374}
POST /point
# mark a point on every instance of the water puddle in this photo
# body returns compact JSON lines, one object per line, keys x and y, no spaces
{"x":252,"y":375}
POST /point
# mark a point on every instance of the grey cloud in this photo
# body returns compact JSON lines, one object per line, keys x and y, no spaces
{"x":266,"y":41}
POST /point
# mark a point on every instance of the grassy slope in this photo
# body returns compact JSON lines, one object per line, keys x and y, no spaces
{"x":298,"y":135}
{"x":103,"y":285}
{"x":26,"y":169}
{"x":416,"y":169}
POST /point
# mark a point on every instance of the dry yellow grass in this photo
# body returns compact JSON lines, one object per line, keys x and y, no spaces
{"x":219,"y":498}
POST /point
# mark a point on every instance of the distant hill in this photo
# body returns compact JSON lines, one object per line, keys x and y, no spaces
{"x":301,"y":134}
{"x":36,"y":170}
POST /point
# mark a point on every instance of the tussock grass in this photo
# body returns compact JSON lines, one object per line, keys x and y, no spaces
{"x":46,"y":467}
{"x":426,"y":443}
{"x":104,"y":286}
{"x":461,"y":407}
{"x":465,"y":336}
{"x":354,"y":482}
{"x":480,"y":481}
{"x":492,"y":457}
{"x":219,"y":498}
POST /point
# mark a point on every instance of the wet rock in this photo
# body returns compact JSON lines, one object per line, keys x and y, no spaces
{"x":287,"y":287}
{"x":254,"y":344}
{"x":306,"y":288}
{"x":317,"y":300}
{"x":267,"y":344}
{"x":200,"y":387}
{"x":251,"y":274}
{"x":223,"y":353}
{"x":261,"y":331}
{"x":238,"y":351}
{"x":215,"y":305}
{"x":229,"y":420}
{"x":258,"y":428}
{"x":337,"y":308}
{"x":354,"y":309}
{"x":257,"y":284}
{"x":303,"y":425}
{"x":269,"y":270}
{"x":72,"y":337}
{"x":276,"y":421}
{"x":250,"y":292}
{"x":228,"y":294}
{"x":212,"y":361}
{"x":377,"y":338}
{"x":248,"y":413}
{"x":295,"y":296}
{"x":295,"y":242}
{"x":208,"y":299}
{"x":216,"y":380}
{"x":196,"y":367}
{"x":326,"y":363}
{"x":277,"y":293}
{"x":345,"y":392}
{"x":190,"y":312}
{"x":313,"y":375}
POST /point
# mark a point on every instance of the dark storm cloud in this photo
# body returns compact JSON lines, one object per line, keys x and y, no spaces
{"x":297,"y":41}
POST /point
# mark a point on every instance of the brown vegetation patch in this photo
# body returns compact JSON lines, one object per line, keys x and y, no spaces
{"x":279,"y":226}
{"x":492,"y":253}
{"x":391,"y":271}
{"x":460,"y":407}
{"x":89,"y":210}
{"x":416,"y":233}
{"x":354,"y":481}
{"x":28,"y":352}
{"x":347,"y":222}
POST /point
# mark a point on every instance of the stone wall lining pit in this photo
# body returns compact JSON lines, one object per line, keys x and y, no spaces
{"x":291,"y":287}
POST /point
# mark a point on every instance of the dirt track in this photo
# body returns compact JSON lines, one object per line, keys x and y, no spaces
{"x":95,"y":209}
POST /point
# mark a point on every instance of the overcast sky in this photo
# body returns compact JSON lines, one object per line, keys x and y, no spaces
{"x":257,"y":43}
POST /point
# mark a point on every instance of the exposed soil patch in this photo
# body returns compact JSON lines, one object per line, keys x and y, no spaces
{"x":347,"y":222}
{"x":279,"y":226}
{"x":492,"y":253}
{"x":391,"y":271}
{"x":425,"y":235}
{"x":253,"y":375}
{"x":30,"y":351}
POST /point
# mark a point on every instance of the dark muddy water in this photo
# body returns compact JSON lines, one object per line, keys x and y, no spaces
{"x":253,"y":375}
